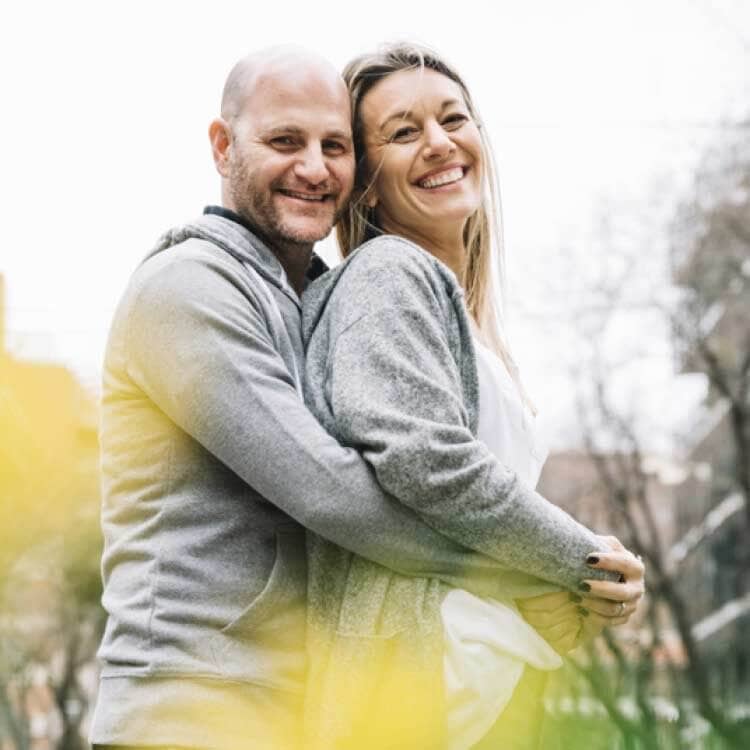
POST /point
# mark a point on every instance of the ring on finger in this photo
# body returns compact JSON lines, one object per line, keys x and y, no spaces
{"x":620,"y":609}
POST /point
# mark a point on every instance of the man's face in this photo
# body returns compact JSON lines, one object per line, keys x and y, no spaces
{"x":291,"y":162}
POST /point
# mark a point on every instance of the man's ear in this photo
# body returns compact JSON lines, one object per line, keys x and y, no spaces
{"x":220,"y":135}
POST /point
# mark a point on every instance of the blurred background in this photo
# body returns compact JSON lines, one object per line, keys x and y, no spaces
{"x":622,"y":132}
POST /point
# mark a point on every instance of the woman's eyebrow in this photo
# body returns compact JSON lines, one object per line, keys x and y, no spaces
{"x":406,"y":113}
{"x":403,"y":115}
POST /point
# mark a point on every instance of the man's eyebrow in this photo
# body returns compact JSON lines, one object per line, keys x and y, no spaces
{"x":298,"y":132}
{"x":404,"y":114}
{"x":284,"y":130}
{"x":342,"y":135}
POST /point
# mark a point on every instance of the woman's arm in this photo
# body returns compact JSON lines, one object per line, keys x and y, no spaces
{"x":395,"y":391}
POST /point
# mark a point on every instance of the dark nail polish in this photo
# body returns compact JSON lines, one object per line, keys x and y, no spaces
{"x":592,"y":559}
{"x":575,"y":598}
{"x":583,"y":611}
{"x":583,"y":586}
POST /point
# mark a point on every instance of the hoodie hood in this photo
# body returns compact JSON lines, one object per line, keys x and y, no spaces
{"x":234,"y":239}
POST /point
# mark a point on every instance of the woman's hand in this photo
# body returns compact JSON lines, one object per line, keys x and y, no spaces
{"x":556,"y":617}
{"x":612,"y":602}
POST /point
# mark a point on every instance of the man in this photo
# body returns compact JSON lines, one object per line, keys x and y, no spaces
{"x":212,"y":467}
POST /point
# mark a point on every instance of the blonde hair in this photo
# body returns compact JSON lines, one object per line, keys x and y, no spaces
{"x":484,"y":271}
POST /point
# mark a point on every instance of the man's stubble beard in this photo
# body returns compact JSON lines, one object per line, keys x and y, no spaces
{"x":257,"y":208}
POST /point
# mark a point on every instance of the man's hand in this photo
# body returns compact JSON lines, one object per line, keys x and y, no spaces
{"x":556,"y":617}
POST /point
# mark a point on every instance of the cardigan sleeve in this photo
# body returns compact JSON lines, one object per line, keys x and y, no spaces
{"x":203,"y":355}
{"x":396,"y":396}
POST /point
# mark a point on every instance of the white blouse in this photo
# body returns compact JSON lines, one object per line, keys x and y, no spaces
{"x":487,"y":642}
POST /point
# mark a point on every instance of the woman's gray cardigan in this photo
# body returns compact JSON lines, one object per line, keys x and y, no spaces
{"x":391,"y":372}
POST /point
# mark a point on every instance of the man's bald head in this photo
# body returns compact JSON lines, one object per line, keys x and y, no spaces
{"x":272,"y":66}
{"x":283,"y":146}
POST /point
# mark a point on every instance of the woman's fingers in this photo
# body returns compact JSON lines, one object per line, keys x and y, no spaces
{"x":608,"y":608}
{"x":611,"y":543}
{"x":615,"y":543}
{"x":631,"y":586}
{"x":599,"y":622}
{"x":626,"y":591}
{"x":622,"y":561}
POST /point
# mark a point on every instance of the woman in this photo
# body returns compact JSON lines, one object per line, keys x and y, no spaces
{"x":404,"y":343}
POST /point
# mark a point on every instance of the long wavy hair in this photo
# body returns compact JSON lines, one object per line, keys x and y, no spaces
{"x":484,"y":269}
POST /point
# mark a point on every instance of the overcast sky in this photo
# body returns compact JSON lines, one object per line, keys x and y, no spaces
{"x":595,"y":109}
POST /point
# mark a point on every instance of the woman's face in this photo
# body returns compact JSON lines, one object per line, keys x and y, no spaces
{"x":423,"y":153}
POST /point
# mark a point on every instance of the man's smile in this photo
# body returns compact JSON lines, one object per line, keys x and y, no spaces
{"x":311,"y":197}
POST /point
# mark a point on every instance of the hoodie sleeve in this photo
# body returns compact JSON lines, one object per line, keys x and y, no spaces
{"x":202,"y":353}
{"x":396,"y":396}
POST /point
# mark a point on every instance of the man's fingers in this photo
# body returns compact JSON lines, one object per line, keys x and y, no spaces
{"x":547,"y":619}
{"x":544,"y":602}
{"x":560,"y":630}
{"x":566,"y":643}
{"x":590,"y":629}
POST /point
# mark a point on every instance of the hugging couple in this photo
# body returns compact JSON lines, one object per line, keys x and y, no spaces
{"x":320,"y":523}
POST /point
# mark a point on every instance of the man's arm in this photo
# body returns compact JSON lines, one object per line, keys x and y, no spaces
{"x":201,"y":351}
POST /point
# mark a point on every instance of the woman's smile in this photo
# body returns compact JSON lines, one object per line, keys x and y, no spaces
{"x":442,"y":178}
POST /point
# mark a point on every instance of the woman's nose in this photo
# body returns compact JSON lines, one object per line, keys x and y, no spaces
{"x":437,"y":141}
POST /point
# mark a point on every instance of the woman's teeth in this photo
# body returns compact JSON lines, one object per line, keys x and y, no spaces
{"x":444,"y":178}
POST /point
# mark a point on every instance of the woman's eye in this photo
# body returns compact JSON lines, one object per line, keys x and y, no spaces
{"x":455,"y":121}
{"x":404,"y":134}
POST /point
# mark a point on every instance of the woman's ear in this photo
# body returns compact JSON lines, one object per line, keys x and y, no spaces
{"x":370,"y":198}
{"x":369,"y":195}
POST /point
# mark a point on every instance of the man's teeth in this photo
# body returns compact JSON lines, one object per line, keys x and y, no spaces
{"x":304,"y":196}
{"x":452,"y":175}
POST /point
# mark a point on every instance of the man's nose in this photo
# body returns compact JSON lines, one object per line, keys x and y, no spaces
{"x":436,"y":141}
{"x":312,"y":167}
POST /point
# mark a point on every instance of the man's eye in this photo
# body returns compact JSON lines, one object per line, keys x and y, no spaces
{"x":404,"y":134}
{"x":283,"y":141}
{"x":334,"y":147}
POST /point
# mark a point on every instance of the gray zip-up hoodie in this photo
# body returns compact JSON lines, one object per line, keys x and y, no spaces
{"x":391,"y":372}
{"x":212,"y":468}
